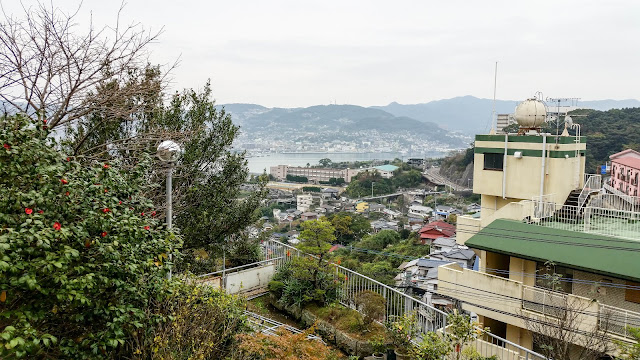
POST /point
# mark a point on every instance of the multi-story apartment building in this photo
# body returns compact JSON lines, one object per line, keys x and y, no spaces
{"x":304,"y":202}
{"x":504,"y":120}
{"x":550,"y":244}
{"x":625,"y":171}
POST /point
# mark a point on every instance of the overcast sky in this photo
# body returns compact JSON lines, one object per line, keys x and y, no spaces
{"x":364,"y":52}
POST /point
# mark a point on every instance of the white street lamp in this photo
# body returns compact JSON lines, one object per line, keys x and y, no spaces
{"x":168,"y":152}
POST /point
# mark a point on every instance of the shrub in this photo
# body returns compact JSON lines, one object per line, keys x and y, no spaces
{"x":276,"y":288}
{"x":402,"y":331}
{"x":378,"y":344}
{"x":81,"y":252}
{"x":371,"y":305}
{"x":308,"y":282}
{"x":197,"y":322}
{"x":431,"y":347}
{"x":284,"y":346}
{"x":311,"y":189}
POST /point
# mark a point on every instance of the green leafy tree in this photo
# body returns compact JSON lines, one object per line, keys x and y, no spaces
{"x":325,"y":163}
{"x":209,"y":174}
{"x":309,"y":278}
{"x":316,"y":237}
{"x":630,"y":351}
{"x":349,"y":227}
{"x":342,"y":224}
{"x":82,"y":251}
{"x":208,"y":203}
{"x":432,"y":346}
{"x":407,"y":179}
{"x":382,"y":271}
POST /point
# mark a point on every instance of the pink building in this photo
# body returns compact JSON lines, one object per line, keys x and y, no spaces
{"x":625,"y":167}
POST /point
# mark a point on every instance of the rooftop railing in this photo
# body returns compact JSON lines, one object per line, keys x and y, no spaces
{"x":596,"y":220}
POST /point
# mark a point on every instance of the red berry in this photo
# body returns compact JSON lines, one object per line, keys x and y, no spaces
{"x":28,"y":211}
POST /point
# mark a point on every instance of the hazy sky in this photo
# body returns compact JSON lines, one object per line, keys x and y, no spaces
{"x":364,"y":52}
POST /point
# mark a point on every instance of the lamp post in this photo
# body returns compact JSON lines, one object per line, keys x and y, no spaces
{"x":373,"y":182}
{"x":168,"y":152}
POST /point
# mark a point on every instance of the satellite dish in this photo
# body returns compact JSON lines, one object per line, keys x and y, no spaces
{"x":568,"y":120}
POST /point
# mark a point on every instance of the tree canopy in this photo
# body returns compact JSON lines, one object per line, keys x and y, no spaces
{"x":82,"y":250}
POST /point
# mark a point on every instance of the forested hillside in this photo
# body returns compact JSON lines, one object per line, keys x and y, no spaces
{"x":608,"y":132}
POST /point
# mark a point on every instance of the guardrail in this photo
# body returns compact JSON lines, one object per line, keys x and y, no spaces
{"x":544,"y":301}
{"x":617,"y":321}
{"x":617,"y":199}
{"x":430,"y":319}
{"x":270,"y":327}
{"x":596,"y":220}
{"x":592,"y":183}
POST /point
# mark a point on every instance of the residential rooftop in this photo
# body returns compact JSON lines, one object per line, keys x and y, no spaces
{"x":593,"y":253}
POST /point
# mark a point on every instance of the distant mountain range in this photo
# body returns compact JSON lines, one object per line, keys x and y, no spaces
{"x":472,"y":115}
{"x":334,"y":119}
{"x":436,"y":119}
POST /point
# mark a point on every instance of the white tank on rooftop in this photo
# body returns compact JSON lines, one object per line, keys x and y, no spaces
{"x":531,"y":113}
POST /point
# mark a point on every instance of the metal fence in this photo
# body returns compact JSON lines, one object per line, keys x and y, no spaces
{"x":616,"y":200}
{"x":592,"y":183}
{"x":544,"y":301}
{"x":269,"y":326}
{"x":397,"y":303}
{"x":617,"y":321}
{"x":591,"y":219}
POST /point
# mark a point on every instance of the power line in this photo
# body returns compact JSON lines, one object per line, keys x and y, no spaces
{"x":502,"y":271}
{"x":604,"y":238}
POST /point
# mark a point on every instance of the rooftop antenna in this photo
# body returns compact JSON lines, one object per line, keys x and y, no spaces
{"x":558,"y":101}
{"x":494,"y":119}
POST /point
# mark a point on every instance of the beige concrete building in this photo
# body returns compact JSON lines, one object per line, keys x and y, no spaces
{"x":314,"y":175}
{"x":304,"y":202}
{"x":540,"y":214}
{"x":504,"y":120}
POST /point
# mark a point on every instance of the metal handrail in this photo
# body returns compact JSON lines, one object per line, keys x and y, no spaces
{"x":398,"y":303}
{"x":593,"y":183}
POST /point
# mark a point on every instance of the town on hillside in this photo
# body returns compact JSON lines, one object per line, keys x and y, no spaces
{"x":152,"y":209}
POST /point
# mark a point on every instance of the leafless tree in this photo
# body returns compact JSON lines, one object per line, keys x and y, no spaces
{"x":568,"y":327}
{"x":52,"y":70}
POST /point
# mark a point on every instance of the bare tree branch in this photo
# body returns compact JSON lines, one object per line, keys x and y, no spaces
{"x":51,"y":69}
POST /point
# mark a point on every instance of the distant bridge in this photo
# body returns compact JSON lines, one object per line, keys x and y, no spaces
{"x":379,"y":197}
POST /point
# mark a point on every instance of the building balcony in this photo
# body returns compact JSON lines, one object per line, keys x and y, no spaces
{"x":512,"y":302}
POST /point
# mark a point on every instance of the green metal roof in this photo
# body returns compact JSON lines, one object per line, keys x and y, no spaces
{"x":599,"y":254}
{"x":387,"y":167}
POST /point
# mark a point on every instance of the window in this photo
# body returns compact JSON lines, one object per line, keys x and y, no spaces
{"x":633,"y":294}
{"x":558,"y":278}
{"x":493,"y":161}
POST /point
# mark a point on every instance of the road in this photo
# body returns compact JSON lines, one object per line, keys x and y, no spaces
{"x":433,"y":174}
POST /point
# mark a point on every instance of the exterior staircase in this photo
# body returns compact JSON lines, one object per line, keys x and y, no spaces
{"x":572,"y":210}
